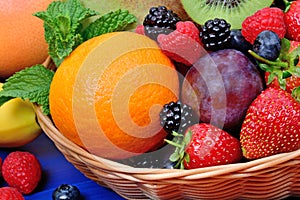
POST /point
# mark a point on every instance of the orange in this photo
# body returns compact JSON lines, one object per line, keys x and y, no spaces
{"x":22,"y":42}
{"x":106,"y":96}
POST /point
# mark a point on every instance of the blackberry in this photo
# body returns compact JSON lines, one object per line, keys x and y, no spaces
{"x":155,"y":159}
{"x":215,"y":34}
{"x":177,"y":116}
{"x":160,"y":20}
{"x":66,"y":192}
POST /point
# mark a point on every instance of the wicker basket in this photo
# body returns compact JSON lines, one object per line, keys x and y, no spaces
{"x":274,"y":177}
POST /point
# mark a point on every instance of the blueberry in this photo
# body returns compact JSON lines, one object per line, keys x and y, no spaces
{"x":66,"y":192}
{"x":239,"y":43}
{"x":267,"y":45}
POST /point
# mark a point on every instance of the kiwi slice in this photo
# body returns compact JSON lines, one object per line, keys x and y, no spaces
{"x":233,"y":11}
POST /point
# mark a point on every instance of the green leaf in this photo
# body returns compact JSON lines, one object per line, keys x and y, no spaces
{"x":31,"y":83}
{"x":111,"y":22}
{"x":62,"y":24}
{"x":4,"y":99}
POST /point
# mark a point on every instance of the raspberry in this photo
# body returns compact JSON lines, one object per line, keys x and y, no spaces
{"x":292,"y":21}
{"x":188,"y":28}
{"x":9,"y":193}
{"x":140,"y":29}
{"x":22,"y":170}
{"x":182,"y":45}
{"x":270,"y":18}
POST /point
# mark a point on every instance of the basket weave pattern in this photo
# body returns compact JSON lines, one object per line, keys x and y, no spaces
{"x":273,"y":177}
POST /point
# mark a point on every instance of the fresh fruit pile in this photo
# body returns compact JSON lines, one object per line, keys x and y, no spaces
{"x":236,"y":96}
{"x":241,"y":81}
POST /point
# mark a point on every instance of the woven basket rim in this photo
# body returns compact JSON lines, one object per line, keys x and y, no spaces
{"x":254,"y":166}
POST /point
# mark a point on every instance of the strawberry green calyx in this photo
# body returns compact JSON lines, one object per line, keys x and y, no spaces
{"x":284,"y":66}
{"x":180,"y":142}
{"x":296,"y":94}
{"x":287,"y":5}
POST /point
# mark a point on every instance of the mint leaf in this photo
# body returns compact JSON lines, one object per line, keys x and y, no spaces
{"x":113,"y":21}
{"x":64,"y":29}
{"x":31,"y":83}
{"x":62,"y":24}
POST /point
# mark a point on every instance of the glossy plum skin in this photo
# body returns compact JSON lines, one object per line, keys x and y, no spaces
{"x":221,"y":86}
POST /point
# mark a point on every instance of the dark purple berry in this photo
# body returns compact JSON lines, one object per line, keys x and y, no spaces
{"x":66,"y":192}
{"x":176,"y":116}
{"x":160,"y":20}
{"x":238,"y":42}
{"x":215,"y":34}
{"x":156,"y":159}
{"x":267,"y":45}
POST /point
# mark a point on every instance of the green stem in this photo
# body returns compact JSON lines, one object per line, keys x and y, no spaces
{"x":286,"y":2}
{"x":272,"y":63}
{"x":173,"y":143}
{"x":287,"y":5}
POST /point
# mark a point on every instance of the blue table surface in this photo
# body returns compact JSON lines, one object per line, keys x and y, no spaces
{"x":57,"y":170}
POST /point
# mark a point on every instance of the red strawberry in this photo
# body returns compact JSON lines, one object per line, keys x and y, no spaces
{"x":271,"y":125}
{"x":292,"y":21}
{"x":10,"y":193}
{"x":205,"y":145}
{"x":182,"y":45}
{"x":22,"y":170}
{"x":269,"y":18}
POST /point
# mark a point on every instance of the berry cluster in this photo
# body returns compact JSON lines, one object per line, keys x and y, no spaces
{"x":179,"y":40}
{"x":264,"y":48}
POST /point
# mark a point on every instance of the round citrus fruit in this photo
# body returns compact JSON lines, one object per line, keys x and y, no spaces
{"x":106,"y":96}
{"x":22,"y":42}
